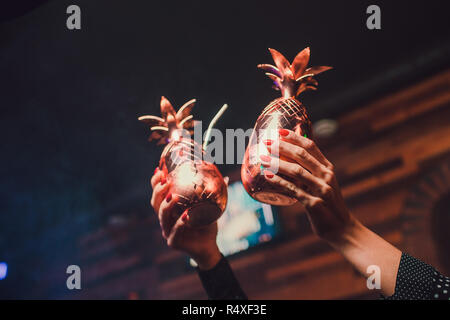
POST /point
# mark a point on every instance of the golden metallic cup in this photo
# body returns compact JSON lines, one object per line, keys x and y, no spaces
{"x":282,"y":113}
{"x":198,"y":184}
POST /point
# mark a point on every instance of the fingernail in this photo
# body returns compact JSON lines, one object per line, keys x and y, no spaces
{"x":268,"y":142}
{"x":180,"y":153}
{"x":283,"y":132}
{"x":265,"y":158}
{"x":185,"y":217}
{"x":268,"y":174}
{"x":163,"y":181}
{"x":169,"y":197}
{"x":156,"y":170}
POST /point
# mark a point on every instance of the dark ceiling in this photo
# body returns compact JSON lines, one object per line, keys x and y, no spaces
{"x":73,"y":150}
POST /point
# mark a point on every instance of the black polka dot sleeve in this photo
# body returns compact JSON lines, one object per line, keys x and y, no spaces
{"x":417,"y":280}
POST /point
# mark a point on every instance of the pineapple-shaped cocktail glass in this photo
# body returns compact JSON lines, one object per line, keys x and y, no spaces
{"x":284,"y":112}
{"x":198,"y":185}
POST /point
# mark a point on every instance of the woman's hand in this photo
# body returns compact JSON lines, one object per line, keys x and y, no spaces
{"x":309,"y":177}
{"x":197,"y":242}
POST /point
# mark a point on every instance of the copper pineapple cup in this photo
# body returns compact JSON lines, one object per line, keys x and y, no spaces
{"x":198,"y":185}
{"x":285,"y":112}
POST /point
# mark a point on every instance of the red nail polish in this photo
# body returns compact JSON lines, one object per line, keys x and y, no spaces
{"x":283,"y":132}
{"x":268,"y":174}
{"x":268,"y":142}
{"x":156,"y":170}
{"x":185,"y":217}
{"x":169,"y":197}
{"x":265,"y":158}
{"x":163,"y":181}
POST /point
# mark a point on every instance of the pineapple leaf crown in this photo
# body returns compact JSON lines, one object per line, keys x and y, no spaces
{"x":292,"y":79}
{"x":164,"y":128}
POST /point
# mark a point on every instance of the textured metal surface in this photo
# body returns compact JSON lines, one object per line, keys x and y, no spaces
{"x":198,"y":184}
{"x":285,"y":112}
{"x":280,"y":113}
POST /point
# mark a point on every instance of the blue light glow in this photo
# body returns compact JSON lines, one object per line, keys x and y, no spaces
{"x":3,"y":270}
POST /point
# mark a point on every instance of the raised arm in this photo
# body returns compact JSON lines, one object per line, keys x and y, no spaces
{"x":307,"y":175}
{"x":198,"y":242}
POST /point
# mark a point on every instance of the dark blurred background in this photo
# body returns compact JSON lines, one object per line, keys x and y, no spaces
{"x":75,"y":162}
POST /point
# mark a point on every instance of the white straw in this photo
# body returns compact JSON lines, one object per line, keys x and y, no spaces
{"x":212,"y":123}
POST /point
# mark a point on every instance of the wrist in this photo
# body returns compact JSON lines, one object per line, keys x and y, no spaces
{"x":208,"y":258}
{"x":349,"y":235}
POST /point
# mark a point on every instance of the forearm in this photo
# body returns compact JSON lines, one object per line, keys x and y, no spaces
{"x":363,"y":248}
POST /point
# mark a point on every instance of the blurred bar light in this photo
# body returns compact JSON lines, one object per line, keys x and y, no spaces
{"x":325,"y":128}
{"x":3,"y":270}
